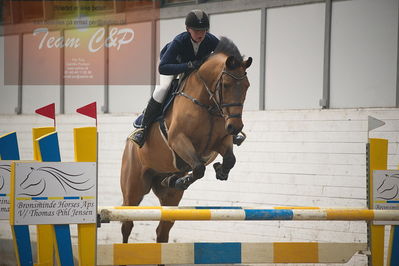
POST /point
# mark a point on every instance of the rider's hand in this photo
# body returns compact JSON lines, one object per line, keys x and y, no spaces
{"x":194,"y":64}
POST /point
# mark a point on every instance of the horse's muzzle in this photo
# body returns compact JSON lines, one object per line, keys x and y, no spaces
{"x":232,"y":130}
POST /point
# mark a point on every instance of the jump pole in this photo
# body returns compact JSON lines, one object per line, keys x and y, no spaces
{"x":21,"y":239}
{"x":86,"y":150}
{"x":45,"y":235}
{"x":377,"y":157}
{"x":171,"y":214}
{"x":227,"y":253}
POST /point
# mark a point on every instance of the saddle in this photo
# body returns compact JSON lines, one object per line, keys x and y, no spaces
{"x":173,"y":88}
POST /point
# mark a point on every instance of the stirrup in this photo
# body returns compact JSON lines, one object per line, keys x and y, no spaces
{"x":239,"y":138}
{"x":137,"y":136}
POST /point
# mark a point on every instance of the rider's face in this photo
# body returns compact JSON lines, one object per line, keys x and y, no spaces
{"x":197,"y":35}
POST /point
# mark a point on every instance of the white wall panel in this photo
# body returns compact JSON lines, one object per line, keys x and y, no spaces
{"x":9,"y":55}
{"x":294,"y":56}
{"x":79,"y":95}
{"x":90,"y":64}
{"x":364,"y":53}
{"x":130,"y":73}
{"x":40,"y":72}
{"x":36,"y":96}
{"x":128,"y":98}
{"x":169,"y":28}
{"x":243,"y":28}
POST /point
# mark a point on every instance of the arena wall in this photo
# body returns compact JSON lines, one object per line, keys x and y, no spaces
{"x":290,"y":158}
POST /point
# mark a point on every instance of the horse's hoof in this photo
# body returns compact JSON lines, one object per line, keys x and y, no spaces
{"x":181,"y":184}
{"x":220,"y":174}
{"x":239,"y":138}
{"x":184,"y":182}
{"x":217,"y":166}
{"x":170,"y":181}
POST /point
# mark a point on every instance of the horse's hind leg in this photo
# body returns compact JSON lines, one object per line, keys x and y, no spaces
{"x":133,"y":196}
{"x":133,"y":185}
{"x":126,"y":229}
{"x":167,"y":197}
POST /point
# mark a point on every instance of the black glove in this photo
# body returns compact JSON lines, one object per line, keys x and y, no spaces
{"x":194,"y":64}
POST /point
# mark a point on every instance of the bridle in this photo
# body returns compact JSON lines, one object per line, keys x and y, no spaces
{"x":217,"y":96}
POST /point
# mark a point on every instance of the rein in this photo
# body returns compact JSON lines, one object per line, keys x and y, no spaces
{"x":216,"y":109}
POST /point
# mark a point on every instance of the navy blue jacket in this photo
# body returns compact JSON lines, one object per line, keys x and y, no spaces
{"x":176,"y":54}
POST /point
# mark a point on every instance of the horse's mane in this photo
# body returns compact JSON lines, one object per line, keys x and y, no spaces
{"x":226,"y":46}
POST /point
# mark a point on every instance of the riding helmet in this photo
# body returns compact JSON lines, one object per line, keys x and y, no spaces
{"x":197,"y":20}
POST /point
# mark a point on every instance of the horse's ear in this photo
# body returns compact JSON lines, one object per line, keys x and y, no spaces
{"x":232,"y":63}
{"x":247,"y":63}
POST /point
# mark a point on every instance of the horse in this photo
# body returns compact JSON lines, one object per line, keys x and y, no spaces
{"x":205,"y":114}
{"x":39,"y":179}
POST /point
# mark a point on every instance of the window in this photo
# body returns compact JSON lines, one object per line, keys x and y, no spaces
{"x":177,"y":2}
{"x":31,"y":10}
{"x":130,"y":5}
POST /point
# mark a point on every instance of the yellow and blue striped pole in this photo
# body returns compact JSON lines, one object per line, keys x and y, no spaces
{"x":393,"y":248}
{"x":85,"y":147}
{"x":128,"y":213}
{"x":227,"y":253}
{"x":9,"y":146}
{"x":45,"y":238}
{"x":377,"y":160}
{"x":61,"y":235}
{"x":21,"y":238}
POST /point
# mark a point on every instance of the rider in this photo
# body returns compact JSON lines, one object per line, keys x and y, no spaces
{"x":184,"y":53}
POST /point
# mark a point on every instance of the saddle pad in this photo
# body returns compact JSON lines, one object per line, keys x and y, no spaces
{"x":138,"y":122}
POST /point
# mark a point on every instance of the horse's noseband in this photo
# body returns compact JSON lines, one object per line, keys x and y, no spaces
{"x":218,"y":92}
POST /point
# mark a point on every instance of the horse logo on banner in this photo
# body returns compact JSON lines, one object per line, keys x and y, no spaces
{"x":4,"y":172}
{"x":37,"y":180}
{"x":389,"y":187}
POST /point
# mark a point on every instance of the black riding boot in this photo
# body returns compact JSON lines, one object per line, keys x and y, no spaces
{"x":151,"y":112}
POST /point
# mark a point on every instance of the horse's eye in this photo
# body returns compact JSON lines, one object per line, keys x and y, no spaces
{"x":227,"y":85}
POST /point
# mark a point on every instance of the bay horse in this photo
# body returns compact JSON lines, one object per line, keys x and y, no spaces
{"x":206,"y":112}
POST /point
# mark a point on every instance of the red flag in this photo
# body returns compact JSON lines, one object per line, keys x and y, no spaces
{"x":47,"y":111}
{"x":89,"y":110}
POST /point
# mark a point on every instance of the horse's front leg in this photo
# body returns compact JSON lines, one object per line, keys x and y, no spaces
{"x":222,"y":169}
{"x":185,"y":149}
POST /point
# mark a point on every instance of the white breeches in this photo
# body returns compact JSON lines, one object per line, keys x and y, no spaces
{"x":161,"y":90}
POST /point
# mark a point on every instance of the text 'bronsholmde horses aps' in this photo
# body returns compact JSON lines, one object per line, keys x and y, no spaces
{"x":206,"y":112}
